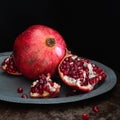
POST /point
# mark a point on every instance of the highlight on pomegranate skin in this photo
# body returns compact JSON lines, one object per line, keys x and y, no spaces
{"x":79,"y":73}
{"x":38,"y":50}
{"x":44,"y":87}
{"x":8,"y":66}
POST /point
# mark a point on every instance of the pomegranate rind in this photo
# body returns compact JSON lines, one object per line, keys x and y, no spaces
{"x":74,"y":83}
{"x":8,"y":67}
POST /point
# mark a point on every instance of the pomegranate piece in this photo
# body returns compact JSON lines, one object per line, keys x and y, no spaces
{"x":38,"y":50}
{"x":44,"y":87}
{"x":8,"y":65}
{"x":20,"y":90}
{"x":79,"y":73}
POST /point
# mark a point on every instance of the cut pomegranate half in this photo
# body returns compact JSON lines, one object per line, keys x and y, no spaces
{"x":8,"y":66}
{"x":79,"y":73}
{"x":44,"y":87}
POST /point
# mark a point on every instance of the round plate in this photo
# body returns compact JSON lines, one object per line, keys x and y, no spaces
{"x":10,"y":83}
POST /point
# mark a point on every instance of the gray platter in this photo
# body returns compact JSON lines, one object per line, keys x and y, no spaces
{"x":10,"y":83}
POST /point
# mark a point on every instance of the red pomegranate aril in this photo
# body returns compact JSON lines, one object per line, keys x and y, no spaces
{"x":84,"y":83}
{"x":92,"y":81}
{"x":33,"y":90}
{"x":70,"y":60}
{"x":38,"y":85}
{"x":40,"y":91}
{"x":25,"y":96}
{"x":66,"y":72}
{"x":85,"y":116}
{"x":20,"y":90}
{"x":104,"y":75}
{"x":46,"y":88}
{"x":42,"y":77}
{"x":42,"y":81}
{"x":95,"y":108}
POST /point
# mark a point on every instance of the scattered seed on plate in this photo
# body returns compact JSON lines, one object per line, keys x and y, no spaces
{"x":20,"y":90}
{"x":25,"y":96}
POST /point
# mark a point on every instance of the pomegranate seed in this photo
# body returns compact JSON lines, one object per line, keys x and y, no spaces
{"x":24,"y":96}
{"x":85,"y":116}
{"x":32,"y":89}
{"x":95,"y":109}
{"x":20,"y":90}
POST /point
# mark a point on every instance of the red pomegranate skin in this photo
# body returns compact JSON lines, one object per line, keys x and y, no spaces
{"x":34,"y":55}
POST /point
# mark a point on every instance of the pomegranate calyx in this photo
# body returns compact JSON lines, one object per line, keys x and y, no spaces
{"x":50,"y":42}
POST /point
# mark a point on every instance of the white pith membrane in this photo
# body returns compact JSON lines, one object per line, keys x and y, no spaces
{"x":48,"y":88}
{"x":8,"y":66}
{"x":86,"y":76}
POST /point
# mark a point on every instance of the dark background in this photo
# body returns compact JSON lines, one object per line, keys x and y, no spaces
{"x":112,"y":8}
{"x":86,"y":31}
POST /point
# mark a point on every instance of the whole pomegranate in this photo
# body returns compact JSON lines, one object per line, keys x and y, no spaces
{"x":38,"y":50}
